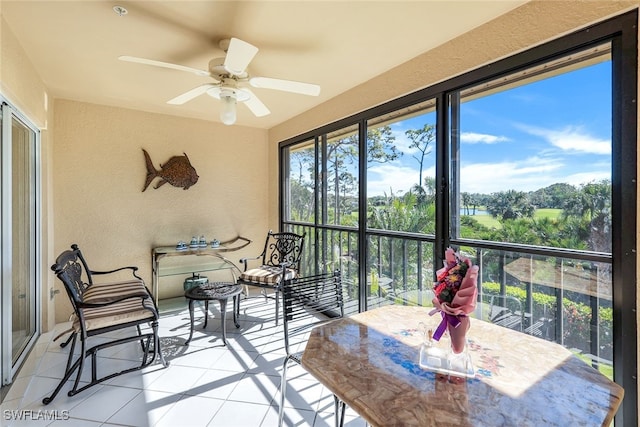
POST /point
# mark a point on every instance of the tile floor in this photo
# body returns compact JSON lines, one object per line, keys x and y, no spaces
{"x":206,"y":384}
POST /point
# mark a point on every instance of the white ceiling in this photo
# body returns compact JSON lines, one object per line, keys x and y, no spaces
{"x":75,"y":46}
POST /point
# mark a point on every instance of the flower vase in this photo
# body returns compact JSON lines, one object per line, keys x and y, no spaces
{"x":458,"y":334}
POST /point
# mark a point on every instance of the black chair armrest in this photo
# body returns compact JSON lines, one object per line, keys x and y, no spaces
{"x":133,"y":271}
{"x":246,"y":260}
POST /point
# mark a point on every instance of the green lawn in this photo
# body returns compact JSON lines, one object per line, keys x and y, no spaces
{"x":548,"y":213}
{"x":491,"y":222}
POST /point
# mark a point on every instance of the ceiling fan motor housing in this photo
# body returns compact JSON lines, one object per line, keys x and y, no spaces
{"x":219,"y":72}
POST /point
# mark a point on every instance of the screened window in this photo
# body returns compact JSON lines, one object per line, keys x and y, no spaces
{"x":401,"y":170}
{"x":520,"y":166}
{"x":532,"y":155}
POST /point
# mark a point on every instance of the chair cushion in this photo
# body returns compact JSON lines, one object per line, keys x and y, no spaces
{"x":99,"y":291}
{"x":267,"y":275}
{"x":130,"y":310}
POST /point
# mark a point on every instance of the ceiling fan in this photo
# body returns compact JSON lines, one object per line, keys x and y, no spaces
{"x":230,"y":75}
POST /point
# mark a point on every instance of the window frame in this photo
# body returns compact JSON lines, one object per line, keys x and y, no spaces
{"x":621,"y":32}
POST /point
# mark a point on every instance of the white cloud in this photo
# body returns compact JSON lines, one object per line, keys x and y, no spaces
{"x":481,"y":138}
{"x":388,"y":177}
{"x":582,"y":178}
{"x":525,"y":175}
{"x":571,"y":139}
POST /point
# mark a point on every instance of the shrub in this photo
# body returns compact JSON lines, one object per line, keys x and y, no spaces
{"x":576,"y":318}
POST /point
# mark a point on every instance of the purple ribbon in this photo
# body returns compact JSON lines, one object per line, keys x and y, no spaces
{"x":446,"y":319}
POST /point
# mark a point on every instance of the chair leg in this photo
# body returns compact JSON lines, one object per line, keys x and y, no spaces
{"x":64,"y":344}
{"x":283,"y":389}
{"x":62,"y":382}
{"x":157,"y":350}
{"x":68,"y":371}
{"x":277,"y":304}
{"x":340,"y":409}
{"x":141,"y":339}
{"x":83,"y":355}
{"x":72,"y":338}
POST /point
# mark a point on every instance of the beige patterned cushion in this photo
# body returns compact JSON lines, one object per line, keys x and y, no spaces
{"x":114,"y":314}
{"x":267,"y":275}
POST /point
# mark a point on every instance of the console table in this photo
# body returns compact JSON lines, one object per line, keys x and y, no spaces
{"x":201,"y":260}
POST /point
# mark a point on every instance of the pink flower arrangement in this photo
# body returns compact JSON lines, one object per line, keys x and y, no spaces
{"x":449,"y":278}
{"x":455,"y":292}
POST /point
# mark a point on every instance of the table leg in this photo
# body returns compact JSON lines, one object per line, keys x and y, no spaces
{"x":191,"y":323}
{"x":236,"y":309}
{"x":206,"y":313}
{"x":239,"y":297}
{"x":223,"y":314}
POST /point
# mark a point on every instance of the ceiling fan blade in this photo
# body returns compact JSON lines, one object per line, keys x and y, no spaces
{"x":193,"y":93}
{"x":285,"y":85}
{"x":255,"y":105}
{"x":165,"y":65}
{"x":239,"y":55}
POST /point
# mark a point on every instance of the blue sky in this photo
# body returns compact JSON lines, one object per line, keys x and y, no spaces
{"x":525,"y":138}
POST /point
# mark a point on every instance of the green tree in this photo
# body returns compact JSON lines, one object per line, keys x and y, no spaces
{"x":552,"y":196}
{"x":421,"y":139}
{"x":301,"y":191}
{"x":510,"y":204}
{"x":466,"y":200}
{"x":342,"y":156}
{"x":592,"y":204}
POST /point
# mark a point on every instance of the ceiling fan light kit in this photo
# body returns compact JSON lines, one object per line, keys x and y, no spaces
{"x":229,"y":74}
{"x":228,"y":112}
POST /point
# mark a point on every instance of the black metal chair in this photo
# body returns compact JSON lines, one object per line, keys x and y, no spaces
{"x":544,"y":326}
{"x":279,"y":260}
{"x":100,"y":308}
{"x":308,"y":302}
{"x":506,"y":310}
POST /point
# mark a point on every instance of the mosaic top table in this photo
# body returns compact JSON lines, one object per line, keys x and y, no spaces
{"x":371,"y":362}
{"x":220,"y":291}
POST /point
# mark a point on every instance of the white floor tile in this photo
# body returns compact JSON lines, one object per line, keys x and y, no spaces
{"x":191,"y":411}
{"x":104,"y":403}
{"x":236,"y":361}
{"x":239,"y":414}
{"x":199,"y":357}
{"x":18,"y":388}
{"x":177,"y":379}
{"x":216,"y":384}
{"x":206,"y":383}
{"x":259,"y":388}
{"x":303,"y":394}
{"x":145,"y":409}
{"x":292,"y":417}
{"x":75,"y":422}
{"x":50,"y":362}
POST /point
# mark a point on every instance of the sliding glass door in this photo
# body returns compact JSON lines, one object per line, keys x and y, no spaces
{"x":20,"y":314}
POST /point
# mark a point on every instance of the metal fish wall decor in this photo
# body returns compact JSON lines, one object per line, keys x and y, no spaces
{"x":177,"y":171}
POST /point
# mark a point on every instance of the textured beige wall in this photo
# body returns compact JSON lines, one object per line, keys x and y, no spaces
{"x":99,"y":173}
{"x":23,"y":87}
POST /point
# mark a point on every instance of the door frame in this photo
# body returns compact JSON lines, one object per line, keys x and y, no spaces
{"x":9,"y":367}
